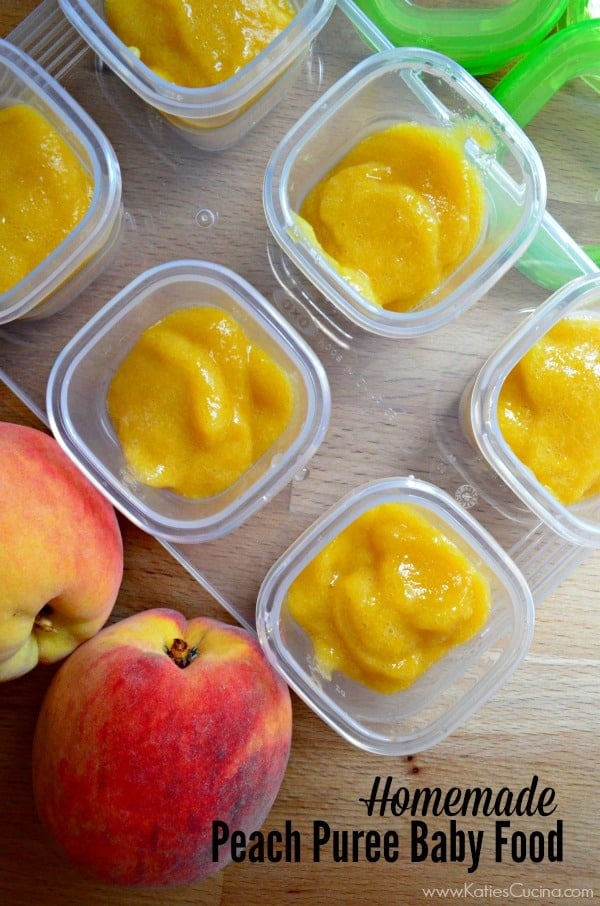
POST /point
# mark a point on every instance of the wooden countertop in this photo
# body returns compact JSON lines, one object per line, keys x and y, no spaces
{"x":543,"y":724}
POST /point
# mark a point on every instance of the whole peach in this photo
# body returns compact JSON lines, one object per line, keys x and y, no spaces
{"x":61,"y":552}
{"x":148,"y":733}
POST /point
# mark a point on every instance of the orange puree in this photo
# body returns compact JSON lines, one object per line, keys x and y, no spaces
{"x":195,"y":403}
{"x":197,"y":43}
{"x":45,"y":191}
{"x":549,"y":406}
{"x":398,"y":213}
{"x":387,"y":597}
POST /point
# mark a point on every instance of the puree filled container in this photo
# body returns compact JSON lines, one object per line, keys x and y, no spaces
{"x":80,"y":378}
{"x":84,"y":253}
{"x":218,"y":116}
{"x":452,"y":689}
{"x":409,"y":85}
{"x":577,"y":523}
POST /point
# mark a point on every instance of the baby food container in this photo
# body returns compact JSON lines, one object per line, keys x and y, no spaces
{"x":482,"y":39}
{"x":389,"y":87}
{"x":215,"y":117}
{"x":578,"y":523}
{"x":85,"y":252}
{"x":79,"y":381}
{"x":453,"y":688}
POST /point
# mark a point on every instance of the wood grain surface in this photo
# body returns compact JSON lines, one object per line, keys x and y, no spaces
{"x":543,"y":724}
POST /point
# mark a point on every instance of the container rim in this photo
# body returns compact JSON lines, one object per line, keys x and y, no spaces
{"x":425,"y":495}
{"x":412,"y":62}
{"x":199,"y":527}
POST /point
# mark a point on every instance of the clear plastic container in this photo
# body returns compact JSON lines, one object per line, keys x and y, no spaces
{"x":453,"y":688}
{"x":218,"y":116}
{"x":482,"y":37}
{"x":578,"y":523}
{"x":60,"y":277}
{"x":390,"y":87}
{"x":78,"y":385}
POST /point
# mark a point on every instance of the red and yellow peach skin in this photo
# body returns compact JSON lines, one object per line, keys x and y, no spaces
{"x":151,"y":731}
{"x":61,"y":552}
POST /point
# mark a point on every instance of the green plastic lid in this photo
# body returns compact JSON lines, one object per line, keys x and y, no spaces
{"x":582,"y":11}
{"x":572,"y":52}
{"x":481,"y":39}
{"x":579,"y":10}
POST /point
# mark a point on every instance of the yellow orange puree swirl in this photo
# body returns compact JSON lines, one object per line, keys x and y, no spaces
{"x":197,"y":43}
{"x":548,"y":409}
{"x":46,"y":191}
{"x":387,"y":597}
{"x":195,"y":402}
{"x":398,"y":213}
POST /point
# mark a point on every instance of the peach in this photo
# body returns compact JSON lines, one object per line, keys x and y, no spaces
{"x":61,"y":552}
{"x":150,"y":732}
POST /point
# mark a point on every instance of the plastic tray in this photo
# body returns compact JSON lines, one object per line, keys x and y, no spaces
{"x":394,"y":402}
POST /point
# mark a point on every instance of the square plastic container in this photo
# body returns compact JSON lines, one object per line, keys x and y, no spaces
{"x":79,"y":380}
{"x":218,"y":116}
{"x":481,"y":37}
{"x":86,"y":251}
{"x":579,"y":523}
{"x":453,"y":688}
{"x":390,"y":87}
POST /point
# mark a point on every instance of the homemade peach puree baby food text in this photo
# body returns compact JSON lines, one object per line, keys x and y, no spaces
{"x":398,"y":213}
{"x":195,"y":403}
{"x":197,"y":43}
{"x":45,"y":191}
{"x":548,"y":409}
{"x":452,"y":840}
{"x":387,"y":597}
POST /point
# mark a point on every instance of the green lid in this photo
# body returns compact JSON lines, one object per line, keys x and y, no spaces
{"x":578,"y":10}
{"x":572,"y":52}
{"x":481,"y":39}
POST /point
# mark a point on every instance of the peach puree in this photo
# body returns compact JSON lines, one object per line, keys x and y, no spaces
{"x":387,"y":597}
{"x":197,"y":43}
{"x":398,"y":213}
{"x":548,"y":409}
{"x":45,"y":191}
{"x":195,"y":403}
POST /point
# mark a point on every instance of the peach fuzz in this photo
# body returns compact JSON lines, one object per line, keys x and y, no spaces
{"x":61,"y":552}
{"x":148,"y":733}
